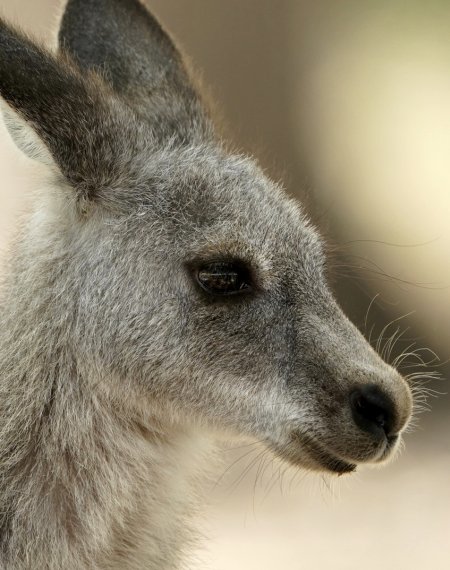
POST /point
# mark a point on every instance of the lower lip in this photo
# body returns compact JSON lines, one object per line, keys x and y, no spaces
{"x":324,"y":457}
{"x":333,"y":464}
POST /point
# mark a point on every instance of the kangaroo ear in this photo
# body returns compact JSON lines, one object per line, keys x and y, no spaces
{"x":57,"y":115}
{"x":123,"y":41}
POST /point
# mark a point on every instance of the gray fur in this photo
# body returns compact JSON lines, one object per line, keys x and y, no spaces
{"x":116,"y":368}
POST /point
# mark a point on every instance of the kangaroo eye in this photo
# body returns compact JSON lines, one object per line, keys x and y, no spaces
{"x":224,"y":278}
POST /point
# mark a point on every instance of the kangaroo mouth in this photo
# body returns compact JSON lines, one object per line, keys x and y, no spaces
{"x":321,"y":456}
{"x":305,"y":450}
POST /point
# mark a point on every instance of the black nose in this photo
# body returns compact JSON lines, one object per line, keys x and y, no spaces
{"x":372,"y":410}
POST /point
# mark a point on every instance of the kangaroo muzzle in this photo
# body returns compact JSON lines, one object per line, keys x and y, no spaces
{"x":354,"y":405}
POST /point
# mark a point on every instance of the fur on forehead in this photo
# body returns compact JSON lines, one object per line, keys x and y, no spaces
{"x":208,"y":203}
{"x":204,"y":179}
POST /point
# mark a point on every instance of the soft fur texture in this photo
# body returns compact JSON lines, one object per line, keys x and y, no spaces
{"x":116,"y":367}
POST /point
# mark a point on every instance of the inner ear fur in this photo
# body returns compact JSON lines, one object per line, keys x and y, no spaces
{"x":24,"y":136}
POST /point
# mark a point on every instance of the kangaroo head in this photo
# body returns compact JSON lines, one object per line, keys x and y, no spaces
{"x":193,"y":287}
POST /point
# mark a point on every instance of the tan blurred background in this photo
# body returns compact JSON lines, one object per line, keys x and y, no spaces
{"x":349,"y":104}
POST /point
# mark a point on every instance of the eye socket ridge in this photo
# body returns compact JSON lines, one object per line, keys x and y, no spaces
{"x":224,"y":277}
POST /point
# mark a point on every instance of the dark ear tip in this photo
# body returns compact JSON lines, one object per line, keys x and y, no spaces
{"x":12,"y":29}
{"x":14,"y":43}
{"x":6,"y":28}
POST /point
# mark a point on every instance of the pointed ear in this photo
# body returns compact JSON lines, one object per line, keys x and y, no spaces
{"x":55,"y":113}
{"x":123,"y":41}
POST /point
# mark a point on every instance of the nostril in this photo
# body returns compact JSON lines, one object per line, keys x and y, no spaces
{"x":372,"y":409}
{"x":369,"y":411}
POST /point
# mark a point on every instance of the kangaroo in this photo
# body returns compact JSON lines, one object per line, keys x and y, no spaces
{"x":162,"y":290}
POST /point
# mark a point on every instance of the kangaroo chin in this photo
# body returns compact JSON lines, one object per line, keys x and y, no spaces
{"x":161,"y":288}
{"x":305,"y":451}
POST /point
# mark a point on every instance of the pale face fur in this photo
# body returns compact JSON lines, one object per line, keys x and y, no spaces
{"x":113,"y":355}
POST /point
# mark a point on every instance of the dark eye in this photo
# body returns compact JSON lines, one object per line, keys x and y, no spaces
{"x":224,"y":278}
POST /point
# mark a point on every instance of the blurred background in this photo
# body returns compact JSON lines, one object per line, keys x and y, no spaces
{"x":348,"y":103}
